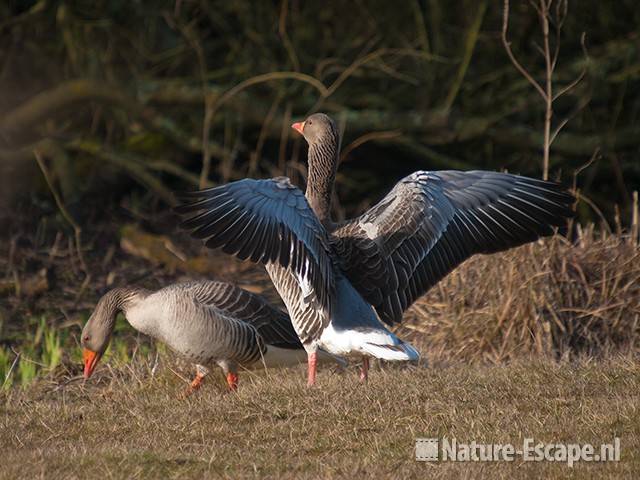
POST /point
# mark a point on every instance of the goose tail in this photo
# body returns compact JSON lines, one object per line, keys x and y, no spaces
{"x":398,"y":352}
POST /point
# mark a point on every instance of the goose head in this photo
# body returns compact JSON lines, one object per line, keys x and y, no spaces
{"x":96,"y":333}
{"x":322,"y":135}
{"x":317,"y":129}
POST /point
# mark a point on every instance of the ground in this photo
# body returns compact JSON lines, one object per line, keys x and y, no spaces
{"x":129,"y":423}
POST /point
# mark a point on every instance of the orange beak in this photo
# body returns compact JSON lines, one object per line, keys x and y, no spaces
{"x":90,"y":361}
{"x":298,"y":126}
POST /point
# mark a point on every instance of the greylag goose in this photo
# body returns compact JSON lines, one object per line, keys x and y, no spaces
{"x":206,"y":322}
{"x":339,"y":280}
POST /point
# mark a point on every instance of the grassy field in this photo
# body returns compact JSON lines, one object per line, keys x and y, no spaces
{"x":538,"y":342}
{"x":129,"y":424}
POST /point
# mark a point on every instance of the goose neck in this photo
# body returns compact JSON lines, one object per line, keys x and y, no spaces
{"x":323,"y":163}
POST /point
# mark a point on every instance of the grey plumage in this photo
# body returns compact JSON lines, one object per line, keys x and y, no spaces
{"x":432,"y":221}
{"x":207,"y":322}
{"x":392,"y":254}
{"x":270,"y":222}
{"x":295,"y":248}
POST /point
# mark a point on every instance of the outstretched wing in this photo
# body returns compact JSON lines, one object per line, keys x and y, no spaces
{"x":432,"y":221}
{"x":268,"y":222}
{"x":273,"y":325}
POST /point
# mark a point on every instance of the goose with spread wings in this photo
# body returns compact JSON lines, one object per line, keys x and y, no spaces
{"x":341,"y":282}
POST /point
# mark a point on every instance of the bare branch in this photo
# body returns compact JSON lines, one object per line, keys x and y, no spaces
{"x":561,"y":14}
{"x":507,"y":47}
{"x":543,"y":7}
{"x":282,"y":31}
{"x":256,"y":154}
{"x":268,"y":77}
{"x":65,"y":213}
{"x":579,"y":170}
{"x":359,"y":62}
{"x":544,"y":20}
{"x":557,"y":130}
{"x":50,"y":102}
{"x":469,"y":46}
{"x":206,"y":151}
{"x":368,"y":137}
{"x":573,"y":84}
{"x":285,"y":131}
{"x":207,"y":100}
{"x":421,"y":26}
{"x":535,"y":6}
{"x":539,"y":49}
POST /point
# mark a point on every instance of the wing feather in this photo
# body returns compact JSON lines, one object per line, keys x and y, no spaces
{"x":266,"y":221}
{"x":432,"y":221}
{"x":271,"y":323}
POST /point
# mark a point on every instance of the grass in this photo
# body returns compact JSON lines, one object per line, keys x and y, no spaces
{"x":551,"y":299}
{"x":540,"y":341}
{"x":130,"y":424}
{"x":52,"y":351}
{"x":37,"y":354}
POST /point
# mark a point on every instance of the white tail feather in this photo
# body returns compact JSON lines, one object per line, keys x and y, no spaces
{"x":402,"y":351}
{"x":378,"y":343}
{"x":356,"y":329}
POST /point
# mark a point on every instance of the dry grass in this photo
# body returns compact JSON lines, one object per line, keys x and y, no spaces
{"x":550,"y":298}
{"x":128,"y":424}
{"x":542,"y":341}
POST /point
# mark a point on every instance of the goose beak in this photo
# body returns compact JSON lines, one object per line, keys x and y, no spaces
{"x":298,"y":126}
{"x":90,"y":361}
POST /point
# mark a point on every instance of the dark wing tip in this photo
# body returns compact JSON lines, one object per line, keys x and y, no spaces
{"x":183,"y":209}
{"x":554,"y":193}
{"x":186,"y":196}
{"x":196,"y":201}
{"x":187,"y":201}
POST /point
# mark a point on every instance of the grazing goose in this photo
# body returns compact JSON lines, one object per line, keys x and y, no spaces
{"x":339,"y":280}
{"x":206,"y":322}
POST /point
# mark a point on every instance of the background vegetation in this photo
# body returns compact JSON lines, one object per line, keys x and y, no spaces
{"x":108,"y":106}
{"x":170,"y":94}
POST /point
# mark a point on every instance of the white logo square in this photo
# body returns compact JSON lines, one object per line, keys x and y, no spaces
{"x":427,"y":449}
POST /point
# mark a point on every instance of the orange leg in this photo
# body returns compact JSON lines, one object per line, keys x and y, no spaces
{"x":364,"y":371}
{"x":232,"y":381}
{"x":312,"y":368}
{"x":195,"y":384}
